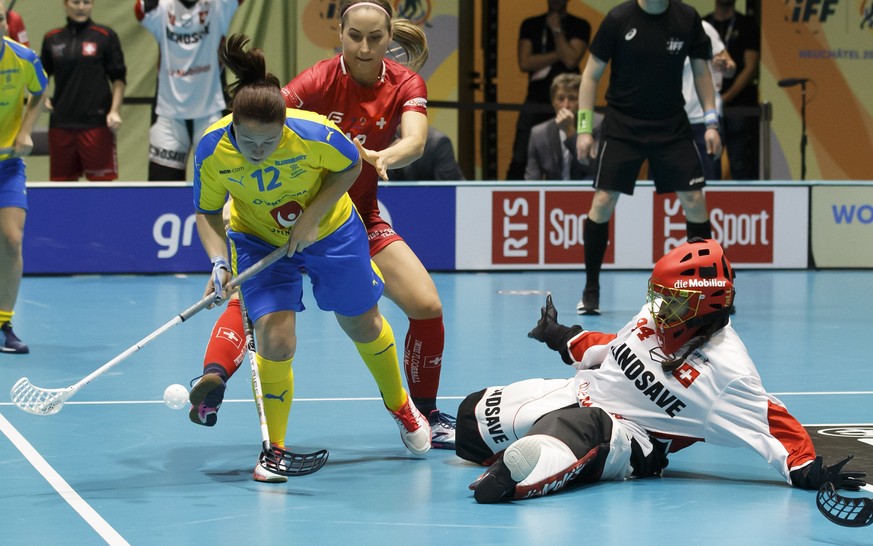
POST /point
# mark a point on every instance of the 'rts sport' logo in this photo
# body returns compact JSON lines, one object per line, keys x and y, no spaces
{"x":742,"y":222}
{"x":523,"y":232}
{"x":515,"y":227}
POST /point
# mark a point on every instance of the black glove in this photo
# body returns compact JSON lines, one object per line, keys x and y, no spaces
{"x":816,"y":474}
{"x":553,"y":334}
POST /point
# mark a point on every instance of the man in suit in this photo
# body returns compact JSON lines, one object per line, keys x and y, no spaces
{"x":551,"y":151}
{"x":437,"y":162}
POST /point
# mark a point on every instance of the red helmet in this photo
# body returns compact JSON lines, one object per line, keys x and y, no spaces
{"x":691,"y":286}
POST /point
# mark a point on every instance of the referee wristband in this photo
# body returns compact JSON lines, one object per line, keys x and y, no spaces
{"x":710,"y":117}
{"x":585,"y":121}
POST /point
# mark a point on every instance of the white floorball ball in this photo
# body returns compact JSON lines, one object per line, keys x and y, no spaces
{"x":176,"y":396}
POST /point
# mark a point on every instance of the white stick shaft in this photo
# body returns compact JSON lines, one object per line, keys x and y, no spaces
{"x":139,"y":345}
{"x":256,"y":376}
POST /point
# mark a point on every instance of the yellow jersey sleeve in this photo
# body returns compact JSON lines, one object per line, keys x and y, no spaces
{"x":21,"y":72}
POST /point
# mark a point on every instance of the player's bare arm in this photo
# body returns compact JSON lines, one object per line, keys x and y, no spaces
{"x":403,"y":151}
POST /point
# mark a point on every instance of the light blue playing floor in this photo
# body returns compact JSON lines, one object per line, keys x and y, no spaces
{"x":117,"y":465}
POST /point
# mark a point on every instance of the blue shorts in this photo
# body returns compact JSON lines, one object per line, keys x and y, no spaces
{"x":12,"y":192}
{"x":344,"y":280}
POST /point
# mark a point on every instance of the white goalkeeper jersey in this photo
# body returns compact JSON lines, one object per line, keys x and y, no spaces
{"x":189,"y":83}
{"x":715,"y":396}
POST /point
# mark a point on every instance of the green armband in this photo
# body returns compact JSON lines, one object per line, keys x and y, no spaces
{"x":585,"y":121}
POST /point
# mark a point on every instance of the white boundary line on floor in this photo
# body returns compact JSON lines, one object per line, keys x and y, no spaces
{"x":91,"y":517}
{"x":376,"y":398}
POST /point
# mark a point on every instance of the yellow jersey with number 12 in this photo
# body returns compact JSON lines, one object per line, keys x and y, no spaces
{"x":269,"y":197}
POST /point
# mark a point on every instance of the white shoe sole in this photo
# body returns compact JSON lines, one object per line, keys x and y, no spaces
{"x":263,"y":475}
{"x":522,"y":457}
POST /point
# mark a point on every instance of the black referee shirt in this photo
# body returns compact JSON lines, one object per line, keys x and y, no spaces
{"x":648,"y":53}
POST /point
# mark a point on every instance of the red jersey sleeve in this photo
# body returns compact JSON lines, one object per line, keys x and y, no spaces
{"x":303,"y":89}
{"x":791,"y":434}
{"x":414,"y":90}
{"x":584,"y":341}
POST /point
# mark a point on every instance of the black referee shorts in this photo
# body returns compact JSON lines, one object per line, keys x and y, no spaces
{"x":668,"y":144}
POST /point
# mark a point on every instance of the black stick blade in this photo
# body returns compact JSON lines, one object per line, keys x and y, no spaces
{"x":287,"y":463}
{"x":845,"y":511}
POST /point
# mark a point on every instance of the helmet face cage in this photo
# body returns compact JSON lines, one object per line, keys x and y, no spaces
{"x":671,"y":307}
{"x":691,"y":286}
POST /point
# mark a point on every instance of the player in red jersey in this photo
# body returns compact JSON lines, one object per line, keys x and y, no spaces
{"x":15,"y":28}
{"x":368,"y":97}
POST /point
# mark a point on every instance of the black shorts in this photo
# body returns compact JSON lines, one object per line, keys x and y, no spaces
{"x":668,"y":144}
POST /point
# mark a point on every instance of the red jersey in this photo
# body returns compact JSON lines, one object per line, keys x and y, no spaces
{"x":371,"y":114}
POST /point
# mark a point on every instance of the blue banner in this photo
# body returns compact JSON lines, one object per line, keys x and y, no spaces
{"x":112,"y":228}
{"x":425,"y":217}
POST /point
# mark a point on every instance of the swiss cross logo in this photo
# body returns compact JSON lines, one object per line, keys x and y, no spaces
{"x":742,"y":222}
{"x":432,"y":361}
{"x":229,"y":335}
{"x":89,"y":49}
{"x":686,"y":374}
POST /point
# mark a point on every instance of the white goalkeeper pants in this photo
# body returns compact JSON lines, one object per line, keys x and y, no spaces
{"x":491,"y":420}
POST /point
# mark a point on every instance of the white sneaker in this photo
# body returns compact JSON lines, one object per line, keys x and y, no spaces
{"x":414,"y":428}
{"x":262,"y":474}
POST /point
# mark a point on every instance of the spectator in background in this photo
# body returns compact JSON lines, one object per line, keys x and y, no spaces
{"x":645,"y":119}
{"x":22,"y":74}
{"x":437,"y":162}
{"x":548,"y":45}
{"x":15,"y":28}
{"x":720,"y":66}
{"x":88,"y":66}
{"x":551,"y":153}
{"x":190,"y":96}
{"x":742,"y":38}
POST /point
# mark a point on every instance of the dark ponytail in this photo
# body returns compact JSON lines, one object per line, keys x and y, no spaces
{"x":256,"y":95}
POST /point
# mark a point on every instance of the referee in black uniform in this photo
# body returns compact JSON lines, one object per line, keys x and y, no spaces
{"x":647,"y":42}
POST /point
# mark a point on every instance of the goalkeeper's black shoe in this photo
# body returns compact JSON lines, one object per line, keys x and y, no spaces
{"x":206,"y":397}
{"x":499,"y":482}
{"x":495,"y":485}
{"x":9,"y":342}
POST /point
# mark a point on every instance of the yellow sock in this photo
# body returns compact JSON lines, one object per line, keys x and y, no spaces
{"x":380,"y":356}
{"x":277,"y":384}
{"x":6,"y":316}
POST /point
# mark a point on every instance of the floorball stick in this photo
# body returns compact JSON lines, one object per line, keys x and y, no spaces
{"x":39,"y":401}
{"x":276,"y":459}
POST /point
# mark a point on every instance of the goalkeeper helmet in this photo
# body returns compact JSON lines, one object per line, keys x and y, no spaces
{"x":691,"y":287}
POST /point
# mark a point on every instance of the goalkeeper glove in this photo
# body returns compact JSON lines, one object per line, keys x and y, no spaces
{"x":554,"y":335}
{"x":816,"y":474}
